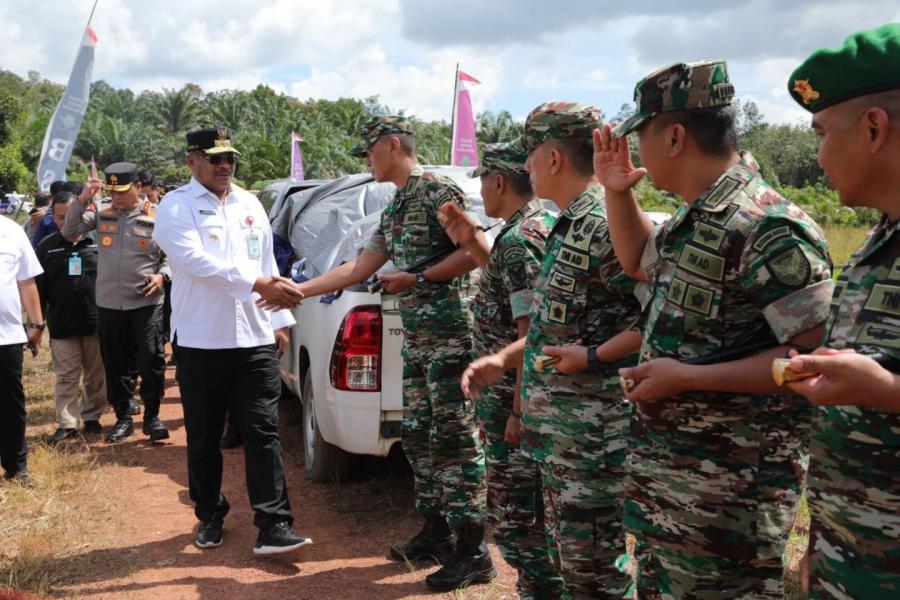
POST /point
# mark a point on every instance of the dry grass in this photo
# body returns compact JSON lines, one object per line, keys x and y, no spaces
{"x":843,"y":242}
{"x":65,"y":514}
{"x":796,"y":548}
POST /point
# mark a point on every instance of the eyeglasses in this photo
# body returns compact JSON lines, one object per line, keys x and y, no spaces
{"x":217,"y":159}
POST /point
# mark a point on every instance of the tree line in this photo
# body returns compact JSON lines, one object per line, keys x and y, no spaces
{"x":148,"y":128}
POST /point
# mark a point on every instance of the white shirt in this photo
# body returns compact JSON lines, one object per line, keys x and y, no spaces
{"x":217,"y":250}
{"x":17,"y":263}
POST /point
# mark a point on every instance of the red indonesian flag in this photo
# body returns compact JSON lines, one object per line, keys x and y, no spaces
{"x":467,"y":77}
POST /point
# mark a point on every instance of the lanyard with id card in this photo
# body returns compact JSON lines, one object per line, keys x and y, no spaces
{"x":75,"y":265}
{"x":254,"y":244}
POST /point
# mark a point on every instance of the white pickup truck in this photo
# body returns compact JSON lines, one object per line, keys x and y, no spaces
{"x":344,"y":359}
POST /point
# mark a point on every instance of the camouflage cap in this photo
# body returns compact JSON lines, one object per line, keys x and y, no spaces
{"x":681,"y":86}
{"x":507,"y":156}
{"x":560,"y":120}
{"x":378,"y":127}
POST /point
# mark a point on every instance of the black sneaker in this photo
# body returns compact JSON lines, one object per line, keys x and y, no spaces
{"x":209,"y":534}
{"x":92,"y":428}
{"x":61,"y":434}
{"x":278,"y":539}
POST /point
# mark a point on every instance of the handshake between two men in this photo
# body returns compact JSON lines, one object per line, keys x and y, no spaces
{"x":277,"y":293}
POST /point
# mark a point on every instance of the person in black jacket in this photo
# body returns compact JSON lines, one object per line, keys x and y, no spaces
{"x":67,"y":289}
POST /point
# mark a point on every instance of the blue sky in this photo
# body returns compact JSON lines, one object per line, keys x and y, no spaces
{"x":405,"y":51}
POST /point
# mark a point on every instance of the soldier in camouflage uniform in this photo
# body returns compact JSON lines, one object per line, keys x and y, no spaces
{"x":854,"y":485}
{"x":501,"y":308}
{"x":439,"y":433}
{"x":575,"y":426}
{"x":737,"y":272}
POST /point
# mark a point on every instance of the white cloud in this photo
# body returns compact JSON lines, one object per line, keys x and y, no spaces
{"x":524,"y":51}
{"x":423,"y":91}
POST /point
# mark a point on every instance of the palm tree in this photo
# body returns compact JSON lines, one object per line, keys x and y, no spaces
{"x":229,"y":108}
{"x":498,"y":128}
{"x":177,"y":111}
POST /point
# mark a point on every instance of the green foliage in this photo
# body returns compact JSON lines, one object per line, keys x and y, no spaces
{"x":652,"y":199}
{"x":10,"y":115}
{"x":822,"y":204}
{"x":176,"y":175}
{"x":14,"y":176}
{"x":148,"y":128}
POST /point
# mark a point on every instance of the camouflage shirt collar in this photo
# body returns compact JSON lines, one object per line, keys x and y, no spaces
{"x":517,"y":217}
{"x":884,"y":231}
{"x":585,"y":201}
{"x":412,"y":182}
{"x":731,"y":182}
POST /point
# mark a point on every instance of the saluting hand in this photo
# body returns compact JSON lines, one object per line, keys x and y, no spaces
{"x":459,"y":226}
{"x":91,"y":187}
{"x":612,"y":162}
{"x":277,"y":293}
{"x":481,"y":373}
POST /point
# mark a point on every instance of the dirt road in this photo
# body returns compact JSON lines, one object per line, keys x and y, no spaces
{"x":352,"y":524}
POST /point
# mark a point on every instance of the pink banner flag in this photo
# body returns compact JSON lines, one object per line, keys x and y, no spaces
{"x":464,"y":145}
{"x":296,"y":157}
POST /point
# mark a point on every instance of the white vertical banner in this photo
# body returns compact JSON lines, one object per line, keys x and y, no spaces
{"x":62,"y":131}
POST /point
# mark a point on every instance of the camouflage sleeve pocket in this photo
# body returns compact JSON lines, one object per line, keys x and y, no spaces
{"x":789,"y":279}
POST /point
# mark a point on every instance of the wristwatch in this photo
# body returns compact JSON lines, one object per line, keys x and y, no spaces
{"x":593,"y":363}
{"x":38,"y":326}
{"x":420,"y":278}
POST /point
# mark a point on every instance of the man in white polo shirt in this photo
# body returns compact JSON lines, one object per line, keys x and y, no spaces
{"x":219,"y":243}
{"x":18,"y":268}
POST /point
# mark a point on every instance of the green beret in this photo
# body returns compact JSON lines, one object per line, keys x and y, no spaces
{"x":378,"y":127}
{"x":867,"y":63}
{"x":507,"y":156}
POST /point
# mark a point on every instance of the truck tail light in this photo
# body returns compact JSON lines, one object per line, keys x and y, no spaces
{"x":356,"y":358}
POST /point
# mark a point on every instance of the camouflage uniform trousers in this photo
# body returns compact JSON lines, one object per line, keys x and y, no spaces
{"x":732,"y":545}
{"x":439,"y":434}
{"x":515,"y":503}
{"x":584,"y":518}
{"x":854,"y":505}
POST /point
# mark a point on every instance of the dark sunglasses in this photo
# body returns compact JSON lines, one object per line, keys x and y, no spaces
{"x":217,"y":159}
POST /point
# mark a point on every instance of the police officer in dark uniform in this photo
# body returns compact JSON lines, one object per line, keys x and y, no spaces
{"x":130,"y":277}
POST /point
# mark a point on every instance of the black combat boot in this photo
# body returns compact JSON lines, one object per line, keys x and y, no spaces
{"x":434,"y":542}
{"x":470,"y":562}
